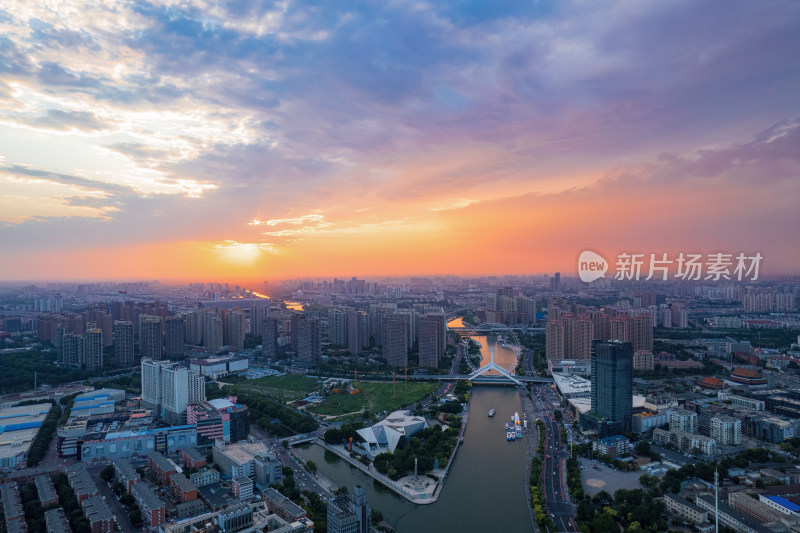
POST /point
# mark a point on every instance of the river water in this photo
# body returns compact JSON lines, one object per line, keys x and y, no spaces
{"x":485,"y":489}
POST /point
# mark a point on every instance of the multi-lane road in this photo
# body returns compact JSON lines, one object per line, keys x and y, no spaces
{"x":554,"y":462}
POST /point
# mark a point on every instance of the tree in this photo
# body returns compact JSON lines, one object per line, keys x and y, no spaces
{"x":127,"y":500}
{"x":311,"y":466}
{"x":557,"y":415}
{"x":107,"y":474}
{"x":118,"y":488}
{"x":377,"y":517}
{"x":135,"y":517}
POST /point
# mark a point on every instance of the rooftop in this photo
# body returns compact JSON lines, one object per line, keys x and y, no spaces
{"x":44,"y":487}
{"x":146,"y":494}
{"x":164,"y":464}
{"x":783,"y":502}
{"x":183,"y":483}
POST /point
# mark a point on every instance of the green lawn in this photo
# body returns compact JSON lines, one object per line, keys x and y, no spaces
{"x":374,"y":397}
{"x":286,"y":388}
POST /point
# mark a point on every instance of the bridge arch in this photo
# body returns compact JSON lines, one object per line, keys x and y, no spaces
{"x":494,"y":328}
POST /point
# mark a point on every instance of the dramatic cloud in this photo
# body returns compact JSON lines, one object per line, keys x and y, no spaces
{"x":297,"y":138}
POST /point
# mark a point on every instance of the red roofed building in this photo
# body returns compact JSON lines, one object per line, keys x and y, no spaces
{"x":745,"y":376}
{"x":711,"y":383}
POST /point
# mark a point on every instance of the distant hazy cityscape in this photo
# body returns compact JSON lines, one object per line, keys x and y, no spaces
{"x":141,"y":406}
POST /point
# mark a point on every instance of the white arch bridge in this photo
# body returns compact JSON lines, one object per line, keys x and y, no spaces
{"x":486,"y":329}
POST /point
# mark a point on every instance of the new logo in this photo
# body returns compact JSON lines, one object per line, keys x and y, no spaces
{"x":591,"y":266}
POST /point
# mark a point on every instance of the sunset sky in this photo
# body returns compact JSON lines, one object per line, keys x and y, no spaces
{"x":193,"y":139}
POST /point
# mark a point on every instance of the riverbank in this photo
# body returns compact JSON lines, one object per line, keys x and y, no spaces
{"x":532,"y":442}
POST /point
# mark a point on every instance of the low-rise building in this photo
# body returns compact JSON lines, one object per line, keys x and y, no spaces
{"x":242,"y":488}
{"x":685,"y":509}
{"x":190,"y":508}
{"x":647,"y":420}
{"x":685,"y":442}
{"x":56,"y":521}
{"x":782,"y":505}
{"x":386,"y":434}
{"x":125,"y":474}
{"x":204,"y":476}
{"x":152,"y":508}
{"x":283,"y":506}
{"x":96,"y":511}
{"x":754,"y":508}
{"x":12,"y":506}
{"x":81,"y":482}
{"x":183,"y":488}
{"x":46,"y":491}
{"x":193,"y":458}
{"x":730,"y":517}
{"x":615,"y":446}
{"x":235,"y":517}
{"x":162,"y":467}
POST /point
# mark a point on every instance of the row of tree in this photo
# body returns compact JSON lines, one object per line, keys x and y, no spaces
{"x":42,"y":442}
{"x":66,"y":497}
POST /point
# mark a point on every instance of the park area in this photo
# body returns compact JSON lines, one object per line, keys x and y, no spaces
{"x":374,"y":397}
{"x":286,"y":388}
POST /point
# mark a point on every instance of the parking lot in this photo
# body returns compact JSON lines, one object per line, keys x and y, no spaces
{"x":606,"y":479}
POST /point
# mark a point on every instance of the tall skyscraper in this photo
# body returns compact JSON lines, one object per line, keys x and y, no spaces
{"x":356,"y":331}
{"x":150,"y":333}
{"x":612,"y":387}
{"x":73,"y":349}
{"x":212,"y":332}
{"x":234,"y":330}
{"x":123,"y":344}
{"x":431,"y":340}
{"x":395,"y":337}
{"x":174,"y":337}
{"x":337,"y":327}
{"x":94,"y":348}
{"x":258,"y":314}
{"x":269,"y":338}
{"x":295,"y":331}
{"x":308,"y":341}
{"x":193,"y":328}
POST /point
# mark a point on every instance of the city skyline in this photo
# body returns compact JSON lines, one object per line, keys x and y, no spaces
{"x":275,"y":141}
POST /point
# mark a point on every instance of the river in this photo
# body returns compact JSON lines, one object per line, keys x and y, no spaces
{"x":485,"y":489}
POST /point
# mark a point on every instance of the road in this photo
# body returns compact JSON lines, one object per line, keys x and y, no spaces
{"x":303,"y":479}
{"x":554,"y":462}
{"x":111,"y":500}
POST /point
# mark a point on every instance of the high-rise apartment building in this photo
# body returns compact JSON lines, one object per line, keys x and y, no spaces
{"x":150,"y":333}
{"x":168,"y":388}
{"x":612,"y":387}
{"x":212,"y":332}
{"x":234,"y":330}
{"x":193,"y":328}
{"x":269,"y":338}
{"x":174,"y":334}
{"x":356,"y":332}
{"x":432,"y":340}
{"x":395,"y":338}
{"x":123,"y":344}
{"x":643,"y":360}
{"x":308,"y":341}
{"x":94,"y":348}
{"x":73,"y":349}
{"x":337,"y":327}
